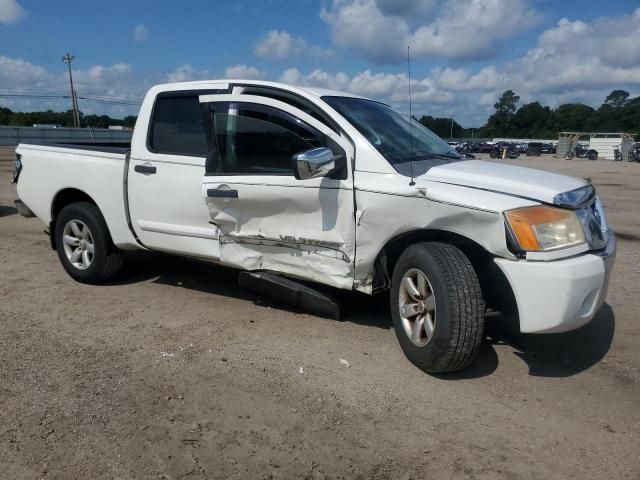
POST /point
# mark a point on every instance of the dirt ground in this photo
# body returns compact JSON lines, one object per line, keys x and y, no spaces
{"x":172,"y":371}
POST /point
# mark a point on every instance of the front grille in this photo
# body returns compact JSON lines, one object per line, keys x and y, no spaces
{"x":594,"y":223}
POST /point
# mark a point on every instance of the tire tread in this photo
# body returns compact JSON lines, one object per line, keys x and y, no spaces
{"x":465,"y":305}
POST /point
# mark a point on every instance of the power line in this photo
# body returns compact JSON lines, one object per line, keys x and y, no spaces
{"x":88,"y":99}
{"x":132,"y":98}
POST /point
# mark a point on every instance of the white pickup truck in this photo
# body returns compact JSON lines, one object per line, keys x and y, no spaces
{"x":328,"y":187}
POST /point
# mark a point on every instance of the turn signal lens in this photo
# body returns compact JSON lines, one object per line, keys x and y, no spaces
{"x":543,"y":228}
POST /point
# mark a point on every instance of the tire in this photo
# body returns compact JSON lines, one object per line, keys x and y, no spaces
{"x":106,"y":259}
{"x":592,"y":155}
{"x":457,"y":319}
{"x":569,"y":156}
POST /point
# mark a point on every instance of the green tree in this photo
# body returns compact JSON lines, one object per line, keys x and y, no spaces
{"x":531,"y":121}
{"x":130,"y":121}
{"x":617,"y":98}
{"x":499,"y":124}
{"x":5,"y":116}
{"x":630,"y":117}
{"x":442,"y":126}
{"x":507,"y":103}
{"x":570,"y":117}
{"x":605,"y":119}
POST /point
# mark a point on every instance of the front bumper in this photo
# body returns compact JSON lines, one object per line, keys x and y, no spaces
{"x":562,"y":295}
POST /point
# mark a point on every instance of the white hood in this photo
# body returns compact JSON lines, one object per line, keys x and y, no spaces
{"x":509,"y":179}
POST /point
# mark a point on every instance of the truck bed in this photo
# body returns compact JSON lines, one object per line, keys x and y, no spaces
{"x":95,"y":169}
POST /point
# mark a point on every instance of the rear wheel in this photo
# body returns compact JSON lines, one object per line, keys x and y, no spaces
{"x":84,"y":245}
{"x":437,"y":307}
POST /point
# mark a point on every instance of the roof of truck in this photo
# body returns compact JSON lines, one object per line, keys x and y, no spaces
{"x":223,"y":83}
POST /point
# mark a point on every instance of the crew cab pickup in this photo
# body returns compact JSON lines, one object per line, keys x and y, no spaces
{"x":332,"y":188}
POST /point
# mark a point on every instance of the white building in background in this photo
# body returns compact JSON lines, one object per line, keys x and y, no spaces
{"x":603,"y":142}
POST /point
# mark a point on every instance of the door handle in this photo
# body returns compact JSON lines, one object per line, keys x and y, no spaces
{"x":146,"y":169}
{"x":214,"y":192}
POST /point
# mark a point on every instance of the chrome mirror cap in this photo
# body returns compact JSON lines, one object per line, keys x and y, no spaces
{"x":314,"y":163}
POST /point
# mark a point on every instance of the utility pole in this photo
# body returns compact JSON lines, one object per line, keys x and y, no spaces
{"x":68,"y":58}
{"x":75,"y":97}
{"x":451,"y":132}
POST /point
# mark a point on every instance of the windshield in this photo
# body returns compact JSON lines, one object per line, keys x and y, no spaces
{"x":389,"y":132}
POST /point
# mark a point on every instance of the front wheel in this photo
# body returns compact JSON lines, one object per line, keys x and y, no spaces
{"x":569,"y":156}
{"x":437,"y":307}
{"x":84,"y":244}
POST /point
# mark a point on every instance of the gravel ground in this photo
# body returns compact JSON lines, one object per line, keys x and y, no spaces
{"x":172,"y":371}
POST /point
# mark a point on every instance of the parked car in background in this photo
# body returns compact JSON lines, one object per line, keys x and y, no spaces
{"x":481,"y":147}
{"x":291,"y":184}
{"x":522,"y":147}
{"x":464,"y":149}
{"x":547,"y":148}
{"x":534,"y":149}
{"x":504,"y":149}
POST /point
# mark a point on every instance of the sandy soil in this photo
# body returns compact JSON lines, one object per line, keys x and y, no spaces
{"x":172,"y":371}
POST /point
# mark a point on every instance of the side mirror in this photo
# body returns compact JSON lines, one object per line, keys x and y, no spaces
{"x":314,"y":163}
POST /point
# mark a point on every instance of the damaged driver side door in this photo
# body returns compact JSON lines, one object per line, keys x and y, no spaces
{"x":267,"y":218}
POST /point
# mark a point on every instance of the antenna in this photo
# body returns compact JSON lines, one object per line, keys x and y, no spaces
{"x":412,"y":183}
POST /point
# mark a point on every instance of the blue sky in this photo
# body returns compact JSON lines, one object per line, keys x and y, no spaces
{"x":465,"y":52}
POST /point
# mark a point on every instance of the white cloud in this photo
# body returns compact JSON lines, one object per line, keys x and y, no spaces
{"x":186,"y":73}
{"x":381,"y":30}
{"x":408,"y":9}
{"x":470,"y":29}
{"x":117,"y":82}
{"x":10,"y":11}
{"x":243,"y":72}
{"x":573,"y":61}
{"x":141,"y":33}
{"x":14,"y":72}
{"x":280,"y":45}
{"x":392,"y":88}
{"x":361,"y":26}
{"x":461,"y":79}
{"x":575,"y":55}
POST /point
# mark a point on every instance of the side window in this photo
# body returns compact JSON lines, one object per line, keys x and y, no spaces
{"x":255,"y":139}
{"x":177,"y":127}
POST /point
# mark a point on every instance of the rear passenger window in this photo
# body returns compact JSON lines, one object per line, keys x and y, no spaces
{"x":177,"y":127}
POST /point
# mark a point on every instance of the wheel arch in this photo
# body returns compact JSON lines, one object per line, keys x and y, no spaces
{"x":496,"y":288}
{"x":65,"y":197}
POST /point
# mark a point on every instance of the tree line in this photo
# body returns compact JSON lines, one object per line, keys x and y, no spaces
{"x":618,"y":113}
{"x":49,"y":117}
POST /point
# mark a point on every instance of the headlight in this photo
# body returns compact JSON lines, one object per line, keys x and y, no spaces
{"x":544,"y":228}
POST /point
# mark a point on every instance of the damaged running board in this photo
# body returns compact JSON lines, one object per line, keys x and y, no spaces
{"x":291,"y":292}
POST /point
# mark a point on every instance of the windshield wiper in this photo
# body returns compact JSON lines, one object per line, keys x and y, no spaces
{"x":419,"y":155}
